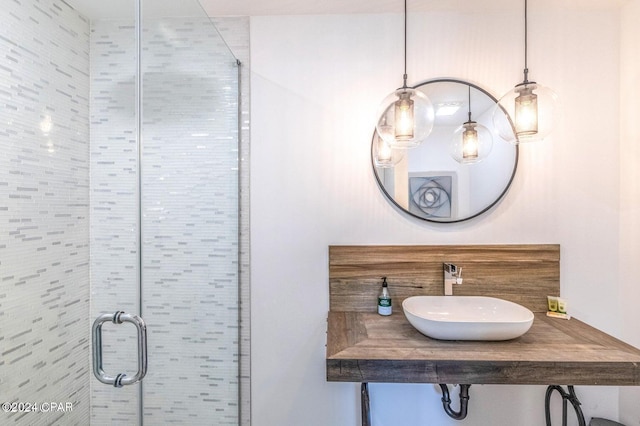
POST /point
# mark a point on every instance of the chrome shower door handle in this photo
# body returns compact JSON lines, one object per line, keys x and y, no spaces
{"x":121,"y":379}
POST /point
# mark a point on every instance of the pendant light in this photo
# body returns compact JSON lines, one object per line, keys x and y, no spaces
{"x":472,"y":142}
{"x":405,"y":117}
{"x":530,"y":105}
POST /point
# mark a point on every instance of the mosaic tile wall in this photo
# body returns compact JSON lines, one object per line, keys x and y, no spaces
{"x":44,"y":212}
{"x":190,"y":225}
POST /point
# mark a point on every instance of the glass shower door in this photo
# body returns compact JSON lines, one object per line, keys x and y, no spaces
{"x":165,"y":232}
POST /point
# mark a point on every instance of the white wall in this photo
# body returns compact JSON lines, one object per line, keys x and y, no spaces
{"x":316,"y":83}
{"x":630,"y":195}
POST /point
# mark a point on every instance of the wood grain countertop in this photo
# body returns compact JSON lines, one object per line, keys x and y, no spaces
{"x":367,"y":347}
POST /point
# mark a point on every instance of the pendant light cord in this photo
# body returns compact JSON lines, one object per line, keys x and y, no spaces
{"x":469,"y":104}
{"x":404,"y":77}
{"x":526,"y":68}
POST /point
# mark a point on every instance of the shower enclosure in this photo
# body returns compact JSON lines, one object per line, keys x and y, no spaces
{"x":119,"y":197}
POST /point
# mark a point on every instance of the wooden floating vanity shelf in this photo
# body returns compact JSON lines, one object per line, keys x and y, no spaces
{"x":363,"y":346}
{"x":366,"y":347}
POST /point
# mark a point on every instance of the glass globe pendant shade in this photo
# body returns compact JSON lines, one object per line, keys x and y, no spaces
{"x":406,"y":118}
{"x":532,"y":109}
{"x":471,"y":143}
{"x":384,"y":156}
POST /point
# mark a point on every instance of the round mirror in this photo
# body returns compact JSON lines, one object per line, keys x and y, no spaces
{"x":432,"y":181}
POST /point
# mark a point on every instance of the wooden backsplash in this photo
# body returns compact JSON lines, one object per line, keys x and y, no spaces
{"x":524,"y":274}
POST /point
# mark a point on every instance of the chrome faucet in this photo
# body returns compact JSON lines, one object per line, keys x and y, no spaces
{"x":452,"y":275}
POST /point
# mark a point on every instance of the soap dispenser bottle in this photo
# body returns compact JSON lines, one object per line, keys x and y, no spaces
{"x":384,"y":300}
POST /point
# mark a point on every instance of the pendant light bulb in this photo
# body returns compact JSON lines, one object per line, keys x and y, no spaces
{"x":472,"y":142}
{"x":406,"y":116}
{"x":531,"y":107}
{"x":469,"y":142}
{"x":526,"y":111}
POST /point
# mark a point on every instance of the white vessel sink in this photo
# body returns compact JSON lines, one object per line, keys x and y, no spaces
{"x":467,"y":317}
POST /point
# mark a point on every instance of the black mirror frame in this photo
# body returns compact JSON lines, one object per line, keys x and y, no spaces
{"x":491,"y":205}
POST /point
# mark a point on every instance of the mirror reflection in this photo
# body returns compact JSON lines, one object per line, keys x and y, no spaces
{"x":446,"y":178}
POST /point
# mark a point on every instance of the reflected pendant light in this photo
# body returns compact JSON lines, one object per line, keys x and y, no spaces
{"x":384,"y":156}
{"x":531,"y":106}
{"x":406,"y":116}
{"x":472,"y":142}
